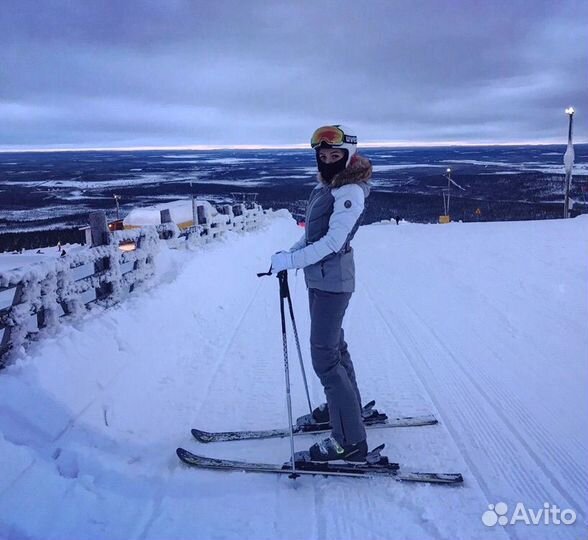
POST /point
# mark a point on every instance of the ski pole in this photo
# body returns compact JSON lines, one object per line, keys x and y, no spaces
{"x":287,"y":290}
{"x":284,"y":293}
{"x":298,"y":347}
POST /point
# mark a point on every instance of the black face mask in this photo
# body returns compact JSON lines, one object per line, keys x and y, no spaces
{"x":329,"y":170}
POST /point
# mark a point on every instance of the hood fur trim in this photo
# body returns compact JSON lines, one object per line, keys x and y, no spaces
{"x":358,"y":170}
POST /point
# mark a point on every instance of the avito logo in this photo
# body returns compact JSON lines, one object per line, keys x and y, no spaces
{"x":549,"y":514}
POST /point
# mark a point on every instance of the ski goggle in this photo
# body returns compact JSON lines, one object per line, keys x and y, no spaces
{"x":331,"y":135}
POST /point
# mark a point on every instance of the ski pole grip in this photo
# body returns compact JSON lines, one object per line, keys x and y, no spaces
{"x":268,"y":273}
{"x":284,"y":290}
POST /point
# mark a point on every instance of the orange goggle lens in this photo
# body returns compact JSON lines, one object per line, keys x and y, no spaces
{"x":332,"y":136}
{"x":329,"y":135}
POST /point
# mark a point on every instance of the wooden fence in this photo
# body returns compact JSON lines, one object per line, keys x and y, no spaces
{"x":104,"y":272}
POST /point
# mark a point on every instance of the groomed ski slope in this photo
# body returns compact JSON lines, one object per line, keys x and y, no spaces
{"x":483,"y":325}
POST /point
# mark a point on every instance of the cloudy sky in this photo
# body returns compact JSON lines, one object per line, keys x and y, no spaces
{"x":114,"y":73}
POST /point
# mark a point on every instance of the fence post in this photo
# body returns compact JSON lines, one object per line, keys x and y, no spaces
{"x":201,"y":215}
{"x":101,"y":237}
{"x":6,"y":341}
{"x":165,"y":216}
{"x":99,"y":229}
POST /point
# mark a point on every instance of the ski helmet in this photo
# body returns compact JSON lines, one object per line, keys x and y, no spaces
{"x":335,"y":136}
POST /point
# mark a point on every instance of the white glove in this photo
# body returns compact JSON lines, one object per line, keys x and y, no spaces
{"x":282,"y":260}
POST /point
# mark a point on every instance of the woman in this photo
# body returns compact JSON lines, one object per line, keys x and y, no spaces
{"x":333,"y":215}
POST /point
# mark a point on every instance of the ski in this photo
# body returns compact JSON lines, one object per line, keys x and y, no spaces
{"x":372,"y":419}
{"x":382,"y":468}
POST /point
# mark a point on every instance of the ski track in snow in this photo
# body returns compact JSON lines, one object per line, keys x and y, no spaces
{"x":206,"y":398}
{"x":546,"y":470}
{"x":416,"y":385}
{"x":552,"y":452}
{"x":224,"y":349}
{"x":90,"y":418}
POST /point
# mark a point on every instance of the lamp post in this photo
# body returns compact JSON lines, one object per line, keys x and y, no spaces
{"x":568,"y":163}
{"x":116,"y":199}
{"x":447,"y":192}
{"x":447,"y":196}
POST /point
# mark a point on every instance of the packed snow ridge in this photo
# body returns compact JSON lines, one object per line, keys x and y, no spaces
{"x":483,"y":325}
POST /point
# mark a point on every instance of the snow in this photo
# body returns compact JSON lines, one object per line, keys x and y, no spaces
{"x":183,"y":156}
{"x":181,"y":212}
{"x":481,"y":324}
{"x":85,"y":185}
{"x":48,"y":212}
{"x":580,"y":169}
{"x":385,"y":168}
{"x":234,"y":161}
{"x":246,"y":182}
{"x":12,"y":260}
{"x":286,"y":176}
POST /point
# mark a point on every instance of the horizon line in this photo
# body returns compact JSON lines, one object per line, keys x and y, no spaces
{"x":298,"y":146}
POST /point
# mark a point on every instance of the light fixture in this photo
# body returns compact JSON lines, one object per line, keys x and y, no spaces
{"x":129,"y":245}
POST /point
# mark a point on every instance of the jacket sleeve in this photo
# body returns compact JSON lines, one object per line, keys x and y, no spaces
{"x":348,"y":206}
{"x":300,"y":243}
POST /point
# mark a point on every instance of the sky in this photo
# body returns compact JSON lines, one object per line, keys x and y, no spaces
{"x":134,"y":73}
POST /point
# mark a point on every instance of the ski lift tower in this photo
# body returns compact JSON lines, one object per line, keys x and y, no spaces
{"x":568,"y":164}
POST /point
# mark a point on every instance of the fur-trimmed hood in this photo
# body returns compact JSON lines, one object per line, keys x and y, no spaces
{"x":358,"y":170}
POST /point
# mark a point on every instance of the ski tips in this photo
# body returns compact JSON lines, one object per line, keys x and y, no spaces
{"x":202,"y":436}
{"x":453,"y":479}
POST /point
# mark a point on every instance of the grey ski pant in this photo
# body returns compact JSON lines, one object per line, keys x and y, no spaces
{"x":332,"y":363}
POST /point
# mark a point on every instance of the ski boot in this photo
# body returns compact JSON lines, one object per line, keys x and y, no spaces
{"x":351,"y":459}
{"x":330,"y":450}
{"x":320,"y":420}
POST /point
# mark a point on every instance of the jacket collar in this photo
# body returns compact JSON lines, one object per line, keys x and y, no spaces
{"x":358,"y":170}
